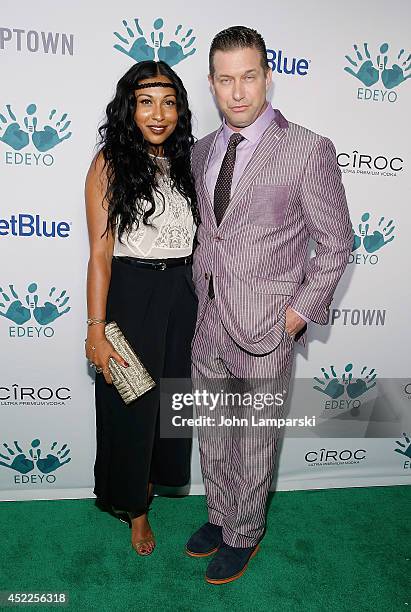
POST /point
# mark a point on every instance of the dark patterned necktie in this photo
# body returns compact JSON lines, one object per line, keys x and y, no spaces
{"x":222,"y":191}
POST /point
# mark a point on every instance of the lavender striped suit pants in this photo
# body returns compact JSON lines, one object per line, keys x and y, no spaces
{"x":237,"y":463}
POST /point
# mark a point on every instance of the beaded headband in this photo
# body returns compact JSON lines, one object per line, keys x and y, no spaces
{"x":155,"y":84}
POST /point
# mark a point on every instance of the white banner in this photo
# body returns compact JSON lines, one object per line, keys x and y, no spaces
{"x":340,"y":69}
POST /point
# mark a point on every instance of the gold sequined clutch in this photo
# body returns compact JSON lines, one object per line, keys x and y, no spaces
{"x":131,"y":382}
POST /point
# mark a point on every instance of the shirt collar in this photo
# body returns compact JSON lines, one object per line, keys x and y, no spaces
{"x":252,"y":132}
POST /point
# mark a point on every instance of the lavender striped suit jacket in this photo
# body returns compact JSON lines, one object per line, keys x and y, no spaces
{"x":291,"y":190}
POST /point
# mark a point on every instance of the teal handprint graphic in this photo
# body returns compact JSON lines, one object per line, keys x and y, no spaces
{"x":331,"y":386}
{"x":334,"y":388}
{"x":366,"y":73}
{"x":13,"y":135}
{"x":394,"y":76}
{"x":139,"y":50}
{"x":51,"y":310}
{"x":362,"y":231}
{"x":53,"y":461}
{"x":405,"y":448}
{"x":17,"y":462}
{"x":178,"y":49}
{"x":20,"y":311}
{"x":15,"y":312}
{"x":137,"y":45}
{"x":22,"y":463}
{"x":361,"y":385}
{"x":379,"y":238}
{"x":51,"y":135}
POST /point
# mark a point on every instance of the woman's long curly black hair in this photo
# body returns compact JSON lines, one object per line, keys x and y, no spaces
{"x":130,"y":171}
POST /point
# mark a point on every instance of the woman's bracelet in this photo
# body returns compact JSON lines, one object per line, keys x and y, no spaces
{"x":95,"y":322}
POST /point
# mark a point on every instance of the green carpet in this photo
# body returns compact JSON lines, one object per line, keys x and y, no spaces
{"x":331,"y":550}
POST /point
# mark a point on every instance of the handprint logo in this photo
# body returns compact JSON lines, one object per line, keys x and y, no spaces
{"x":141,"y":47}
{"x":15,"y":311}
{"x":139,"y":50}
{"x":44,"y":140}
{"x":51,"y":310}
{"x":375,"y":241}
{"x":405,"y":448}
{"x":54,"y":459}
{"x":332,"y":385}
{"x":17,"y":462}
{"x":11,"y":133}
{"x":178,"y":49}
{"x":361,"y":385}
{"x":366,"y":73}
{"x":18,"y":311}
{"x":364,"y":70}
{"x":22,"y":463}
{"x":51,"y":135}
{"x":394,"y":76}
{"x":335,"y":387}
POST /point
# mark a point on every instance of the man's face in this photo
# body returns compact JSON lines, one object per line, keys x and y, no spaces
{"x":240,"y":84}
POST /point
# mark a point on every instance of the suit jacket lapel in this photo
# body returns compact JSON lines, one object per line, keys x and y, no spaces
{"x":204,"y":165}
{"x":270,"y":140}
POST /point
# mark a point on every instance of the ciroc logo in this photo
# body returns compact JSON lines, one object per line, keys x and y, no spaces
{"x":365,"y":164}
{"x":30,"y":460}
{"x":43,"y":311}
{"x":18,"y":395}
{"x":326,"y":457}
{"x":371,"y":241}
{"x":141,"y":46}
{"x":387,"y":70}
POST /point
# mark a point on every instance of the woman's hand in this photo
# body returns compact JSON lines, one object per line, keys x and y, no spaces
{"x":99,"y":352}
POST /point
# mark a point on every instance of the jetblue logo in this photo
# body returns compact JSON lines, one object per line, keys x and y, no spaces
{"x":18,"y":39}
{"x":280,"y":63}
{"x":25,"y":224}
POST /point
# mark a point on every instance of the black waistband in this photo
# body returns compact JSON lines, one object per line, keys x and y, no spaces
{"x":155,"y":264}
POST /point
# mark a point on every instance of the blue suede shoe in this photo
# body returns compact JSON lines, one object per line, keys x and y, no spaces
{"x":205,"y":541}
{"x":229,"y":563}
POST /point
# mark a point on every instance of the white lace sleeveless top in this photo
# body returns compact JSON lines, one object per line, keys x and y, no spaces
{"x":171,"y":230}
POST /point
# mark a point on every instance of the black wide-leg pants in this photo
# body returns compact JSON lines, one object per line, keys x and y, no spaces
{"x":156,"y":310}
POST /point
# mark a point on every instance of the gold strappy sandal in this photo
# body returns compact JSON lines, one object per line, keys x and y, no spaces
{"x":139,"y":545}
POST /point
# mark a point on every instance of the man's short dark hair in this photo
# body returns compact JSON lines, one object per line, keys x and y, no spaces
{"x":238,"y":37}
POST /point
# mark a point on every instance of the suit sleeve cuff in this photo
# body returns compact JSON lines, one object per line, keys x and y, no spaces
{"x":301,"y":315}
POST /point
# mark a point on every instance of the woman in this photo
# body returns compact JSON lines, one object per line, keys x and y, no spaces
{"x":141,"y":214}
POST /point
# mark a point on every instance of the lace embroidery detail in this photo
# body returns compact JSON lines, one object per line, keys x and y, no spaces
{"x":172,"y":228}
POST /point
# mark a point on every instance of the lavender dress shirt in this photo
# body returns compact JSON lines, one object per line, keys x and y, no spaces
{"x":252,"y":136}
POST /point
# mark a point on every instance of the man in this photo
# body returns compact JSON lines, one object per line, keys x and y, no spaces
{"x":265,"y":186}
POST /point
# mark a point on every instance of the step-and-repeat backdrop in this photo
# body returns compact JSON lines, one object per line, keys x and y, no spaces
{"x":340,"y":69}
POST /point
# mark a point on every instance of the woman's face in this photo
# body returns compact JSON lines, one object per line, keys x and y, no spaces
{"x":156,"y":112}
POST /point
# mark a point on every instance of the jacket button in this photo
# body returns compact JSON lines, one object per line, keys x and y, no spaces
{"x":206,"y":276}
